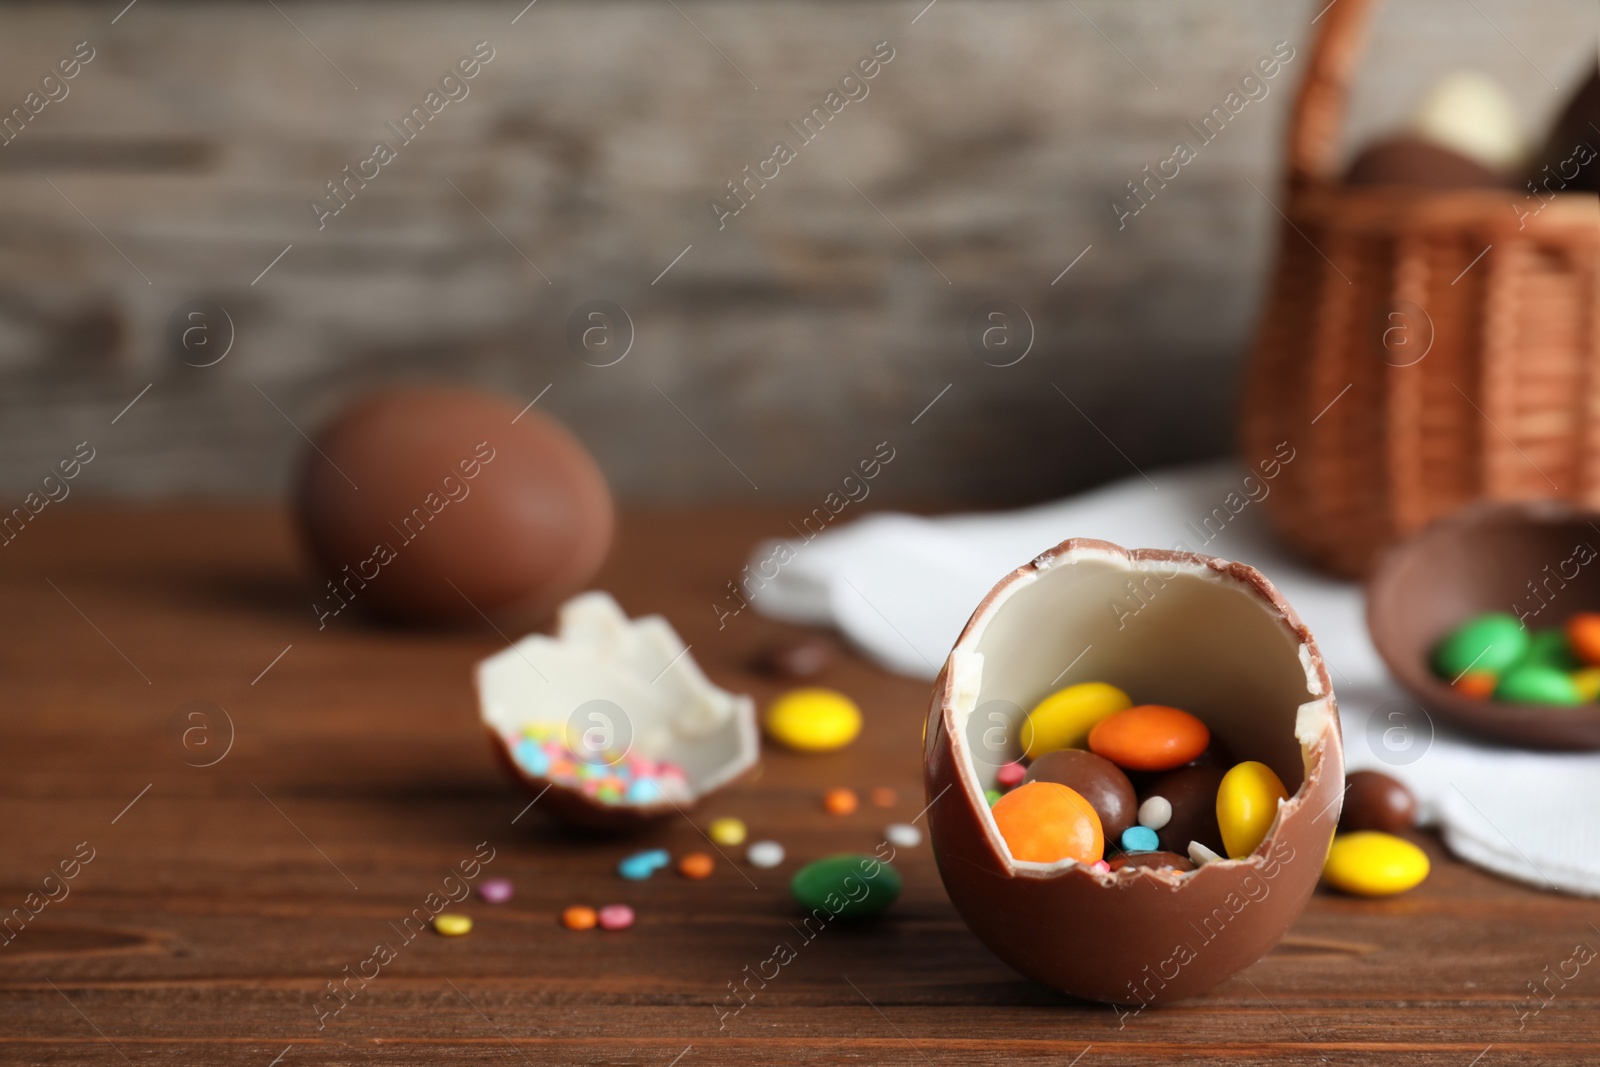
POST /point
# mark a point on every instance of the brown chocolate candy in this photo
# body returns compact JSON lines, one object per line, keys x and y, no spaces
{"x":1192,"y":792}
{"x":1375,"y":801}
{"x":1412,"y":161}
{"x":1151,"y":859}
{"x":1096,"y":779}
{"x":805,"y":658}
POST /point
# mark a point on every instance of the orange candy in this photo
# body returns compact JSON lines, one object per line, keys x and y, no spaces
{"x":1477,"y":684}
{"x":1150,"y":737}
{"x":884,"y":797}
{"x":1583,"y":634}
{"x":840,"y":801}
{"x":1043,"y":822}
{"x":579,"y":917}
{"x":697,"y":865}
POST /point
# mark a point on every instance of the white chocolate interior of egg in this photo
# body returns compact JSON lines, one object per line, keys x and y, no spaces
{"x":1185,"y":635}
{"x":672,"y":711}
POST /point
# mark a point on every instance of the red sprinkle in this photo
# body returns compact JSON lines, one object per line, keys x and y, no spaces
{"x":1011,"y":775}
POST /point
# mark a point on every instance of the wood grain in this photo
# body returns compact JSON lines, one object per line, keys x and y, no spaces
{"x":220,"y":904}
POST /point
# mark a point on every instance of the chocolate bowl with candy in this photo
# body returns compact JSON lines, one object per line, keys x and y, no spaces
{"x":1213,"y":638}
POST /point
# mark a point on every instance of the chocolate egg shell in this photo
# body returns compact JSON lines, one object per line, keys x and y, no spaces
{"x":1096,"y":779}
{"x":1192,"y":792}
{"x":1157,"y":860}
{"x":445,"y":505}
{"x":1214,"y":638}
{"x":1560,"y":166}
{"x":1374,"y":801}
{"x":1540,"y":560}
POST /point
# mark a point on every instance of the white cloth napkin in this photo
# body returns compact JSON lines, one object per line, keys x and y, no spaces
{"x":901,"y":588}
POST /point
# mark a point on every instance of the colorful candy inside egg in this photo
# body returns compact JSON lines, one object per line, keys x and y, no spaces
{"x":1495,"y":656}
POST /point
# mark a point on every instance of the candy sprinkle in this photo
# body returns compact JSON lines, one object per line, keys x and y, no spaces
{"x":615,"y":917}
{"x":765,"y":854}
{"x":903,"y":835}
{"x":840,"y":801}
{"x":641,"y":865}
{"x":579,"y":917}
{"x":697,"y":865}
{"x":729,"y":832}
{"x":495,"y":890}
{"x":452,"y":925}
{"x":884,"y":797}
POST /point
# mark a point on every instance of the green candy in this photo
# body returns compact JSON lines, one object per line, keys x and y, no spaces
{"x":1493,"y":642}
{"x":850,"y":884}
{"x":1537,"y":685}
{"x":992,"y":796}
{"x":1549,"y":648}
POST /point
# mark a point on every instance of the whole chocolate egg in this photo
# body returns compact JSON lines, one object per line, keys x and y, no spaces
{"x":1407,"y":159}
{"x":1211,"y":637}
{"x":438,"y":504}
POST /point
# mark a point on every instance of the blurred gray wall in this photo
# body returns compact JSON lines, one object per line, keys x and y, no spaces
{"x":777,"y":350}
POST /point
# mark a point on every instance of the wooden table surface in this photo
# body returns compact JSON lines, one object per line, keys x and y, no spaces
{"x":221,"y":901}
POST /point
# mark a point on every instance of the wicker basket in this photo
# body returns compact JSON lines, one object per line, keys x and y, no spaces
{"x":1419,"y":350}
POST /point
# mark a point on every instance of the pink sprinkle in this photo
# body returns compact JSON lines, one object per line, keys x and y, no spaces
{"x":1100,"y":865}
{"x":496,"y":890}
{"x":616,"y":917}
{"x":1011,"y":775}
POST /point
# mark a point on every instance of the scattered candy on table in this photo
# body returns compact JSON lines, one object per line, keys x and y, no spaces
{"x":1044,"y":822}
{"x":495,"y":890}
{"x":541,"y":751}
{"x":579,"y":917}
{"x":1150,"y":737}
{"x":884,"y":797}
{"x":1368,"y":863}
{"x":641,"y":865}
{"x":727,"y":831}
{"x":902,"y":835}
{"x":764,"y":854}
{"x":614,"y":917}
{"x":451,"y":925}
{"x":840,"y":801}
{"x":697,"y":865}
{"x":848,"y":885}
{"x":1247,"y":802}
{"x":1374,"y":801}
{"x":813,"y":720}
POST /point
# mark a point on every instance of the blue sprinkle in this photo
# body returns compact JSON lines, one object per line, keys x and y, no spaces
{"x":1140,"y":839}
{"x":641,"y":865}
{"x":643,"y":791}
{"x":532,"y":758}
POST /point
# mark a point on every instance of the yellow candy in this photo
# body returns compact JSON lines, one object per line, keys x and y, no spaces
{"x":451,"y":925}
{"x":813,"y":720}
{"x":1247,"y":802}
{"x":1372,"y":864}
{"x":726,"y":831}
{"x":1064,"y":718}
{"x":1587,"y":682}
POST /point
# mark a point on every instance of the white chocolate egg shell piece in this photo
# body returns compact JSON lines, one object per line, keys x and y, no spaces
{"x":668,"y":706}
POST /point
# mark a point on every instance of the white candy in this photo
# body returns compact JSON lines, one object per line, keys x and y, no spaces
{"x":764,"y":854}
{"x":903,"y":835}
{"x":1201,"y":855}
{"x":1155,"y":813}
